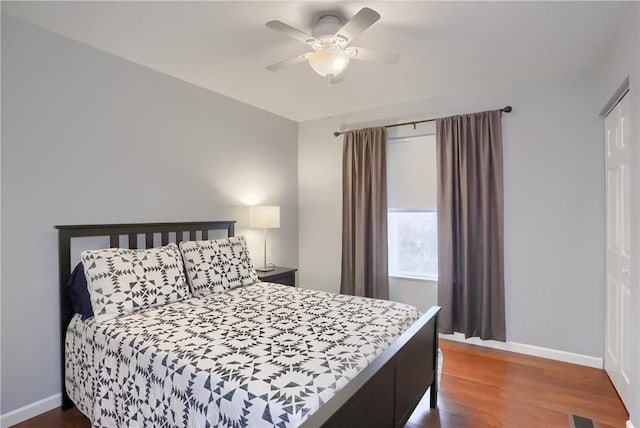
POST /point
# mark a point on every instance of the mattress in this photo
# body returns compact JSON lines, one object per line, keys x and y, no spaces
{"x":262,"y":355}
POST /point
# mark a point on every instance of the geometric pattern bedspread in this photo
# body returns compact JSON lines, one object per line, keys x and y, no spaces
{"x":262,"y":355}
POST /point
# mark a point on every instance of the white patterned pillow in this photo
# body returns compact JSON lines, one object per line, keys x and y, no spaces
{"x":121,"y":281}
{"x":217,"y":266}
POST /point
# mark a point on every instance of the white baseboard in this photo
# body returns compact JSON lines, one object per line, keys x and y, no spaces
{"x":629,"y":424}
{"x":536,"y":351}
{"x":30,"y":410}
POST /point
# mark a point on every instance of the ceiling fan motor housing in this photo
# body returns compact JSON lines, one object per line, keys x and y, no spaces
{"x":327,"y":25}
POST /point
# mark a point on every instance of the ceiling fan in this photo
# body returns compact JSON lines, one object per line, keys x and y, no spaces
{"x":330,"y":41}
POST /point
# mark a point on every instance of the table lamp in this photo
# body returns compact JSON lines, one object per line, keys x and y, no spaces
{"x":265,"y":217}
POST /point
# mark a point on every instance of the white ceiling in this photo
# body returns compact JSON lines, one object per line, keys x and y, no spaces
{"x":444,"y":46}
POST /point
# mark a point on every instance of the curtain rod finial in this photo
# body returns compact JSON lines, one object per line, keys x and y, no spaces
{"x":507,"y":109}
{"x":337,"y":134}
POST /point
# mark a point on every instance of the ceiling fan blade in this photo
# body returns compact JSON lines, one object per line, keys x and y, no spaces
{"x":291,"y":32}
{"x":288,"y":62}
{"x":360,"y":22}
{"x":371,"y":55}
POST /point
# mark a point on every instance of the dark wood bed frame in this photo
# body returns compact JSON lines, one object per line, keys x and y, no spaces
{"x":384,"y":394}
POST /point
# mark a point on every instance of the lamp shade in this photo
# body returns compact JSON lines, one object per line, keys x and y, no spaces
{"x":265,"y":217}
{"x":329,"y":62}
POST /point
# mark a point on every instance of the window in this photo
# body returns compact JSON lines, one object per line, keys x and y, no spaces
{"x":412,"y":218}
{"x":413,"y":244}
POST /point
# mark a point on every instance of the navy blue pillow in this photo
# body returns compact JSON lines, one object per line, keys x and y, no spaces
{"x":79,"y":293}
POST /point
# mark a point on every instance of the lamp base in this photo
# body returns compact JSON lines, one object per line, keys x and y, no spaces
{"x":265,"y":269}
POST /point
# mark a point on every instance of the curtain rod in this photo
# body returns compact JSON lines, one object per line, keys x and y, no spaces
{"x":506,"y":109}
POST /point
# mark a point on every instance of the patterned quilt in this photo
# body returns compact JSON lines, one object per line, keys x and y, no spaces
{"x":262,"y":355}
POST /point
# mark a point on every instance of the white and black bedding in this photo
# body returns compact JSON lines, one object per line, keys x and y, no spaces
{"x":261,"y":355}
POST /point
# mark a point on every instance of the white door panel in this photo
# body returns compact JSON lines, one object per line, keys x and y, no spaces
{"x":611,"y":361}
{"x":625,"y":364}
{"x":625,"y":223}
{"x":612,"y":212}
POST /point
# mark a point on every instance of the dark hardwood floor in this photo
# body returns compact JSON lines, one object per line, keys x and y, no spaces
{"x":485,"y":388}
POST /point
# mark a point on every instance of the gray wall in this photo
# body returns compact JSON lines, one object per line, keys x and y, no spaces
{"x":623,"y":60}
{"x":554,"y":199}
{"x":90,"y":138}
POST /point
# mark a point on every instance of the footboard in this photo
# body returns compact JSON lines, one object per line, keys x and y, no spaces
{"x":387,"y":391}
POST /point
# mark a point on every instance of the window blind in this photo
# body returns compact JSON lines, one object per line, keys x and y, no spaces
{"x":411,"y":173}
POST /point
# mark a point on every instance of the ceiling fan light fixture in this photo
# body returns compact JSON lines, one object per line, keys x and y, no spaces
{"x":329,"y":62}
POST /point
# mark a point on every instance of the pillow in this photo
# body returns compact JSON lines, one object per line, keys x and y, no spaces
{"x":217,"y":266}
{"x":78,"y":293}
{"x":123,"y":281}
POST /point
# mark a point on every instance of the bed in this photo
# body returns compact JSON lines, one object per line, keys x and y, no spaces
{"x":381,"y":386}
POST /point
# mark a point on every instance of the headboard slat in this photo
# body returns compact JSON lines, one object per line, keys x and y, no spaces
{"x":114,"y":231}
{"x":149,"y":240}
{"x":133,"y":241}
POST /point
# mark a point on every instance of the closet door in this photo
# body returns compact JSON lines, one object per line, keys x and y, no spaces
{"x":618,"y":248}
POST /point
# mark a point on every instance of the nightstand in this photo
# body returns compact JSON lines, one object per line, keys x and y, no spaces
{"x":280,"y":275}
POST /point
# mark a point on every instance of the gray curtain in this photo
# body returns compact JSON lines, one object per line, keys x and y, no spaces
{"x":470,"y":225}
{"x":364,"y":214}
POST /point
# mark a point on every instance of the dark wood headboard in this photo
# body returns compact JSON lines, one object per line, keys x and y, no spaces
{"x":114,"y":232}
